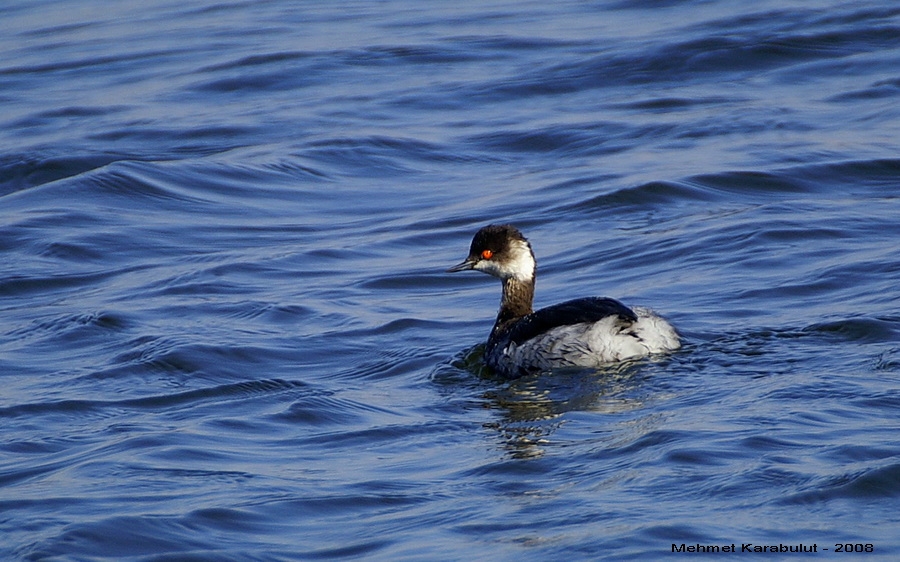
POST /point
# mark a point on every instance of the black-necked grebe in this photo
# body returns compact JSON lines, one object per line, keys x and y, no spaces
{"x":587,"y":332}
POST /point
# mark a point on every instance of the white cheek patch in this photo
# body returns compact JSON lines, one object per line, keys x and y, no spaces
{"x":521,"y":266}
{"x":489,"y":267}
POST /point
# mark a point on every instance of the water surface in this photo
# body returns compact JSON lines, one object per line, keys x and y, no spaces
{"x":227,"y":331}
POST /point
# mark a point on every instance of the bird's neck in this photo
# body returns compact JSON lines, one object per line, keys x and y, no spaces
{"x":518,"y":296}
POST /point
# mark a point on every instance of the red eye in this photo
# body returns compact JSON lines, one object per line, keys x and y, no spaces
{"x":487,"y":254}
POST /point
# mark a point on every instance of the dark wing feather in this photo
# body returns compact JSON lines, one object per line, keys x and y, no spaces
{"x":578,"y":311}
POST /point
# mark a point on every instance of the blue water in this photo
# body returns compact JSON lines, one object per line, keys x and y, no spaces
{"x":227,"y":333}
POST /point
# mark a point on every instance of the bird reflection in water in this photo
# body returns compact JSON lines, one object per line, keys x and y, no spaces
{"x":533,"y":408}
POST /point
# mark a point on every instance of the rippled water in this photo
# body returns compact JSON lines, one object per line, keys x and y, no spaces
{"x":227,"y":331}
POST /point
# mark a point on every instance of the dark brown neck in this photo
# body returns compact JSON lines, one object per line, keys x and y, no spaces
{"x":516,"y":301}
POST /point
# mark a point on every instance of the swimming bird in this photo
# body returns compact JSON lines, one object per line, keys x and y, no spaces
{"x":585,"y":332}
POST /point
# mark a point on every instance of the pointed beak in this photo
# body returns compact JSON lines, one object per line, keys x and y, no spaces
{"x":464,"y":266}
